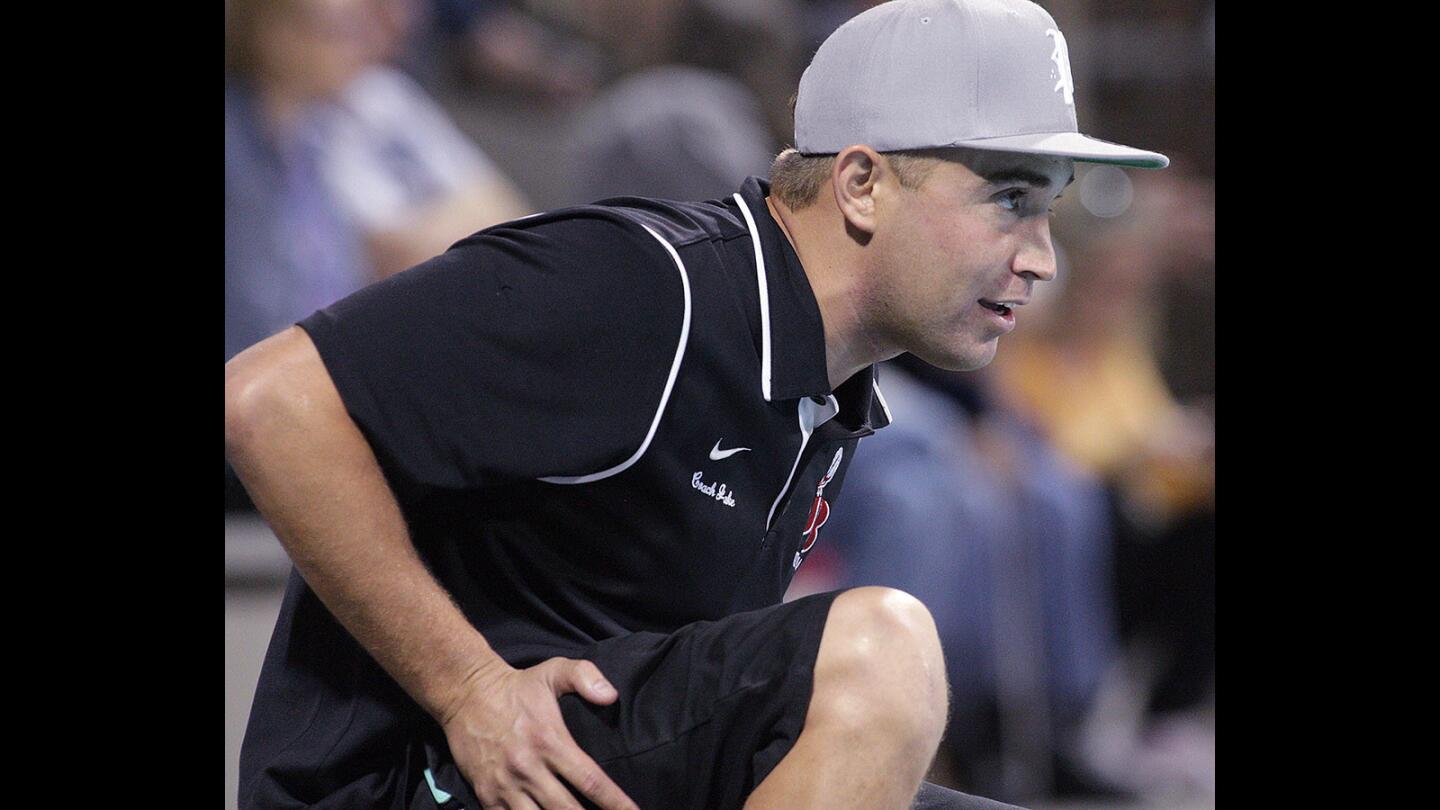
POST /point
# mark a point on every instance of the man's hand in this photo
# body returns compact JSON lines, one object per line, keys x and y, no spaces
{"x":509,"y":740}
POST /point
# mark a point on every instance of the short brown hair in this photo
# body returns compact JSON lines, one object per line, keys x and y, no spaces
{"x":796,"y":179}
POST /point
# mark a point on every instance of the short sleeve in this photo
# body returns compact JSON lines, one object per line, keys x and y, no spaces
{"x":537,"y":348}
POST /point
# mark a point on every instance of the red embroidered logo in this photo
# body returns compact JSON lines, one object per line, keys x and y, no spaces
{"x":819,"y":510}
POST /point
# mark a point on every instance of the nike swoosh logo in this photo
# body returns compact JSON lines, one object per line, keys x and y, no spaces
{"x":716,"y":454}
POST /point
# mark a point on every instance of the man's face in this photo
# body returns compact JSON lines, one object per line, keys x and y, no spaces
{"x":956,"y":256}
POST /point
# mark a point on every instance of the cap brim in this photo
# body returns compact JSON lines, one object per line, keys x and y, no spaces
{"x":1072,"y":145}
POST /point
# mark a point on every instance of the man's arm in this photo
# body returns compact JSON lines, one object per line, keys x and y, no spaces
{"x":317,"y":482}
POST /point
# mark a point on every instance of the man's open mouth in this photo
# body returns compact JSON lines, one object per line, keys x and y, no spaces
{"x":1003,"y":309}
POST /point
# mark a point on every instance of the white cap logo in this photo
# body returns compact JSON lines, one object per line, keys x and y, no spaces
{"x":1061,"y":57}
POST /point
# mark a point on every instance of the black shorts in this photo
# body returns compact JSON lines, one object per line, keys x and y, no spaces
{"x":704,"y":713}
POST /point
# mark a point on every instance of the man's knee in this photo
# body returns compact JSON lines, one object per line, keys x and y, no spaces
{"x":876,"y":619}
{"x":880,"y":662}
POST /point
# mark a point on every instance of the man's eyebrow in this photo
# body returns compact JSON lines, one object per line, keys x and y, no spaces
{"x":1018,"y":174}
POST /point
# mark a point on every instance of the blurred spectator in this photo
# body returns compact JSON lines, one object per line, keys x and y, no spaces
{"x":288,"y":249}
{"x":1088,"y":369}
{"x":674,"y":132}
{"x":396,"y":163}
{"x":338,"y":168}
{"x":701,"y":102}
{"x":1008,"y":545}
{"x":401,"y":171}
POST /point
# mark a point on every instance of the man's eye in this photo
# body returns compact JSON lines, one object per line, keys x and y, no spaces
{"x":1013,"y":200}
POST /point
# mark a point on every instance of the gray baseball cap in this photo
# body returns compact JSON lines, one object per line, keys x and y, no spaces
{"x":919,"y":74}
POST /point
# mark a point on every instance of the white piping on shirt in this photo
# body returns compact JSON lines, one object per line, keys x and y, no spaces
{"x":764,"y":299}
{"x":669,"y":383}
{"x":886,"y":408}
{"x":811,"y":417}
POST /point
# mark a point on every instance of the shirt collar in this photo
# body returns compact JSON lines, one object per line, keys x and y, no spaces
{"x":792,"y":346}
{"x":792,"y":342}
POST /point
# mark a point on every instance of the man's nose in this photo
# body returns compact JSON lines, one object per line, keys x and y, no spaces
{"x":1035,"y":260}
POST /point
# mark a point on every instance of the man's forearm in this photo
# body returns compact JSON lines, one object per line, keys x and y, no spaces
{"x":316,"y":481}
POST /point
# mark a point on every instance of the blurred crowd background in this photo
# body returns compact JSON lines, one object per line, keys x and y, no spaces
{"x":1056,"y":510}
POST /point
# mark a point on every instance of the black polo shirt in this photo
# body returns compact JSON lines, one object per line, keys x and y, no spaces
{"x":597,"y":420}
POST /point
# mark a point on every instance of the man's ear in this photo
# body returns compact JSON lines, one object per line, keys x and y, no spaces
{"x":857,"y":171}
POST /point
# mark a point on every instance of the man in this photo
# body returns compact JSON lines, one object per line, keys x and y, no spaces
{"x":544,"y":493}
